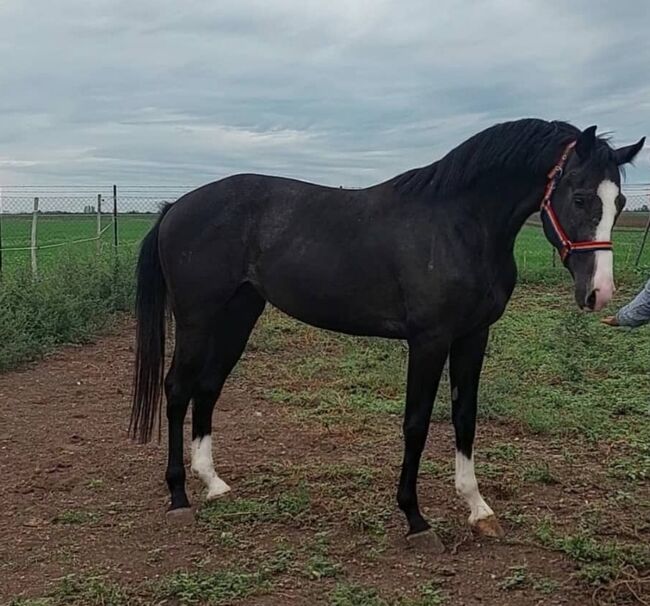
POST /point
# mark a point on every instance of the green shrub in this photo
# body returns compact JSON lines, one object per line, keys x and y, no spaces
{"x":66,"y":303}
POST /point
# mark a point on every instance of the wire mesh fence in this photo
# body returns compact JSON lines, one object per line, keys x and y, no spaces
{"x":39,"y":225}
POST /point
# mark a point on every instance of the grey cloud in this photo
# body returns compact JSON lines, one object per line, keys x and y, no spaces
{"x":339,"y":92}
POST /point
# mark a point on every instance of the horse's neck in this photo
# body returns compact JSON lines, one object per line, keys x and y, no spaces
{"x":507,"y":212}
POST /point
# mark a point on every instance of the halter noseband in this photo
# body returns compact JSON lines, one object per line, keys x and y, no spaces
{"x":566,"y":245}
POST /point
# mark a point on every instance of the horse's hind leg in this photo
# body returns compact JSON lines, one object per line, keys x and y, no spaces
{"x":191,"y":348}
{"x":229,"y":339}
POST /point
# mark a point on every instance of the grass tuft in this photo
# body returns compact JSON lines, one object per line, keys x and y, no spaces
{"x":600,"y":560}
{"x":222,"y":514}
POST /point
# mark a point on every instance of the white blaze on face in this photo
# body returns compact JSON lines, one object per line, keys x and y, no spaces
{"x":467,"y":487}
{"x":203,"y":466}
{"x":603,"y":278}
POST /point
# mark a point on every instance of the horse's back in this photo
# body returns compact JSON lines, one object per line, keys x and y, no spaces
{"x":324,"y":255}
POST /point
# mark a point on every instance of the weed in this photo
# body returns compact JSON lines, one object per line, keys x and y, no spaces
{"x":224,"y":586}
{"x":600,"y":561}
{"x":427,"y":595}
{"x":219,"y":587}
{"x":225,"y":513}
{"x":320,"y":566}
{"x":489,"y":470}
{"x":262,"y":481}
{"x":517,"y":578}
{"x":370,"y":522}
{"x":635,"y":469}
{"x":76,"y":516}
{"x":545,"y":585}
{"x":514,"y":517}
{"x":355,"y":595}
{"x":540,"y":473}
{"x":90,"y":591}
{"x":502,"y":452}
{"x":436,"y":469}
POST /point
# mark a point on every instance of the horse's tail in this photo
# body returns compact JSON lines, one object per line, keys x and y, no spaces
{"x":150,"y":307}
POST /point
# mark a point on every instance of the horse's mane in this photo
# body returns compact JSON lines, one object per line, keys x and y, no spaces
{"x":528,"y":145}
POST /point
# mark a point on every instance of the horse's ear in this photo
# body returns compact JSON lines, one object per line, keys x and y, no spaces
{"x":586,"y":142}
{"x":626,"y":154}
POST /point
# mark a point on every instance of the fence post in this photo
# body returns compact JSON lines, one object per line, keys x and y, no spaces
{"x":99,"y":223}
{"x":116,"y":257}
{"x":115,"y":217}
{"x":34,"y":222}
{"x":1,"y":211}
{"x":645,"y":236}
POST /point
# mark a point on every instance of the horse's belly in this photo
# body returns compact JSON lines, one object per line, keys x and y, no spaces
{"x":368,"y":325}
{"x":357,"y":307}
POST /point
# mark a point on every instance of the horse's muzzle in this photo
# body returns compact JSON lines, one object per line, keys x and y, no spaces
{"x":598,"y":299}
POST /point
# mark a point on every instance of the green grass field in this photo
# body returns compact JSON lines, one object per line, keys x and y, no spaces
{"x":58,"y":235}
{"x":533,"y":251}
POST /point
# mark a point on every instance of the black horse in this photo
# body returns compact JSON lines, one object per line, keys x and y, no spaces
{"x":426,"y":256}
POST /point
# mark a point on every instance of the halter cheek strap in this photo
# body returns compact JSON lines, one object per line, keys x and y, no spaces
{"x":566,"y":246}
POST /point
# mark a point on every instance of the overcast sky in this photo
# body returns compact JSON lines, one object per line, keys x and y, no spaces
{"x":340,"y":91}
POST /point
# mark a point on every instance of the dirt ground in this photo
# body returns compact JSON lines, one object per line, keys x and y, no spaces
{"x":80,"y":498}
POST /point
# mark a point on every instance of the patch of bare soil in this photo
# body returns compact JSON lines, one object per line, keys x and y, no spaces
{"x":80,"y":498}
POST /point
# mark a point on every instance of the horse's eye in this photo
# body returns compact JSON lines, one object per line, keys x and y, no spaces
{"x":579,"y":200}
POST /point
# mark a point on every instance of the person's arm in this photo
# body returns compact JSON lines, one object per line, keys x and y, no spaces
{"x":635,"y":313}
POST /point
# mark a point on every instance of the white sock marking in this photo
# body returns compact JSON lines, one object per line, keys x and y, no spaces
{"x":467,"y":487}
{"x":603,"y":278}
{"x":203,"y":466}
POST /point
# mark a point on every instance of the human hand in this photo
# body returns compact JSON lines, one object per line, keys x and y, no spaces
{"x":610,"y":321}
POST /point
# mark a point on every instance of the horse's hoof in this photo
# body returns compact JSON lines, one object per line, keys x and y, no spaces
{"x":489,"y":527}
{"x":216,"y":491}
{"x":180,"y":515}
{"x":426,"y":541}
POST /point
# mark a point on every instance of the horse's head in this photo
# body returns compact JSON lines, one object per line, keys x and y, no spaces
{"x":581,"y":206}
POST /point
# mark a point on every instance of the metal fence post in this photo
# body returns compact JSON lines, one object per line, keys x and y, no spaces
{"x":115,"y":217}
{"x":1,"y":210}
{"x":33,"y":241}
{"x":99,"y":223}
{"x":116,"y":256}
{"x":645,"y":237}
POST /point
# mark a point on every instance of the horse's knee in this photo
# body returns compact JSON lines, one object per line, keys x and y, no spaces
{"x":414,"y":434}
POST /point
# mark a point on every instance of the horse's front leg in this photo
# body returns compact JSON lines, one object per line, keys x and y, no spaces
{"x":465,"y":363}
{"x":426,"y":362}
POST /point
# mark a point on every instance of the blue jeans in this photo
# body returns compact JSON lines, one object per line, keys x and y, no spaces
{"x":637,"y":311}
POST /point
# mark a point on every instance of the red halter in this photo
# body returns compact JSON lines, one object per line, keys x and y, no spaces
{"x":566,"y":245}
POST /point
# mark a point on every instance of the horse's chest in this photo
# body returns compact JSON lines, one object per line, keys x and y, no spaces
{"x":498,"y":294}
{"x":481,"y":303}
